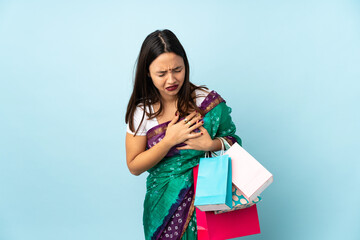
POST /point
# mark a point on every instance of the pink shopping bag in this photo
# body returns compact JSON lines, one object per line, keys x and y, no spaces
{"x":228,"y":225}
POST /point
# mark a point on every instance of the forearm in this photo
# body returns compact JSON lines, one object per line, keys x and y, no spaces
{"x":215,"y":145}
{"x":149,"y":158}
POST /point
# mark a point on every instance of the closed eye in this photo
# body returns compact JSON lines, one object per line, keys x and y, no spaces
{"x":177,"y":70}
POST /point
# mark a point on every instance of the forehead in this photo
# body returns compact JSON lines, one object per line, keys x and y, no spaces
{"x":166,"y":61}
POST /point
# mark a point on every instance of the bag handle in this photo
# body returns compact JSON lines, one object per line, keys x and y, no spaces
{"x":223,"y":140}
{"x":223,"y":148}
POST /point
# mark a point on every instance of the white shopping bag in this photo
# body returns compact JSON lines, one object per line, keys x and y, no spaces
{"x":248,"y":175}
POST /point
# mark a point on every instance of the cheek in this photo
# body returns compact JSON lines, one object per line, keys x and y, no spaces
{"x":157,"y":82}
{"x":182,"y":76}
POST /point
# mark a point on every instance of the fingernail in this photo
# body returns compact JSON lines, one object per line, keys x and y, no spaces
{"x":202,"y":133}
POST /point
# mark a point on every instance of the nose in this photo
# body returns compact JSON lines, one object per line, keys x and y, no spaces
{"x":171,"y":78}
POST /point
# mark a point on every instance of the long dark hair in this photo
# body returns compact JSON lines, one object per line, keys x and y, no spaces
{"x":144,"y":91}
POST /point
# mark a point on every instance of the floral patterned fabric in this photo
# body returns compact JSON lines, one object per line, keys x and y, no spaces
{"x":170,"y":183}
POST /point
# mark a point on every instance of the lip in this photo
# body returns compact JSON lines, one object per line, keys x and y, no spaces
{"x":172,"y":88}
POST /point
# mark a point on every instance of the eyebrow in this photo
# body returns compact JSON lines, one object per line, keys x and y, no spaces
{"x":170,"y":69}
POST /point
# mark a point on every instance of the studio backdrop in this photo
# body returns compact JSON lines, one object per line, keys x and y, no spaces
{"x":289,"y":70}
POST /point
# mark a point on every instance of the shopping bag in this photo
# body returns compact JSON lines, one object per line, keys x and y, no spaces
{"x":239,"y":201}
{"x":214,"y":184}
{"x":228,"y":225}
{"x":248,"y":175}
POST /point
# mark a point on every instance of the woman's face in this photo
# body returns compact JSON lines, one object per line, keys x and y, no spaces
{"x":167,"y":72}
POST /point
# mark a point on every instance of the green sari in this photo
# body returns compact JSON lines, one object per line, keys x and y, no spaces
{"x":169,"y":201}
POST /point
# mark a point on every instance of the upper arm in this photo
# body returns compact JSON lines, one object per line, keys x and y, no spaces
{"x":134,"y":146}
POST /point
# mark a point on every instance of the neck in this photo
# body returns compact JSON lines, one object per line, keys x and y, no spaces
{"x":169,"y":100}
{"x":168,"y":104}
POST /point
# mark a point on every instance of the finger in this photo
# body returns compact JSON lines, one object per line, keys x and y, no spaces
{"x":197,"y":125}
{"x":189,"y":117}
{"x":185,"y":145}
{"x":175,"y":119}
{"x":201,"y":128}
{"x":183,"y":148}
{"x":198,"y":117}
{"x":194,"y":135}
{"x":194,"y":120}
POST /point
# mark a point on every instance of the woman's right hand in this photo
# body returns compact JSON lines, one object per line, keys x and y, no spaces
{"x":140,"y":160}
{"x":179,"y":132}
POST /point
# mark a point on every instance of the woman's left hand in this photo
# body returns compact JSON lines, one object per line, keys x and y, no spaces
{"x":202,"y":143}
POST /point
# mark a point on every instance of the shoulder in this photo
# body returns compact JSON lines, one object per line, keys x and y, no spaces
{"x":140,"y":109}
{"x":200,"y":95}
{"x":205,"y":96}
{"x":141,"y":120}
{"x":202,"y":92}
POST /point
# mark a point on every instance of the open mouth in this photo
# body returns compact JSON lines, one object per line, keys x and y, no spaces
{"x":172,"y":88}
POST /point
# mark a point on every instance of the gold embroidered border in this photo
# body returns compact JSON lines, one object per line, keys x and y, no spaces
{"x":162,"y":129}
{"x":157,"y":131}
{"x":213,"y":104}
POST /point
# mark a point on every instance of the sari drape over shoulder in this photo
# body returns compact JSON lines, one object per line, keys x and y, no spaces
{"x":169,"y":201}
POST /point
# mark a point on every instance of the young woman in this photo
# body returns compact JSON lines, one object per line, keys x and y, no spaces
{"x":171,"y":124}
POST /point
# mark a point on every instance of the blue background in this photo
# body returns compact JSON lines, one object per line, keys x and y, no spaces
{"x":289,"y":69}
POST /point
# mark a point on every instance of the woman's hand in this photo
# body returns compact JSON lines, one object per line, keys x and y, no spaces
{"x":202,"y":142}
{"x":179,"y":132}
